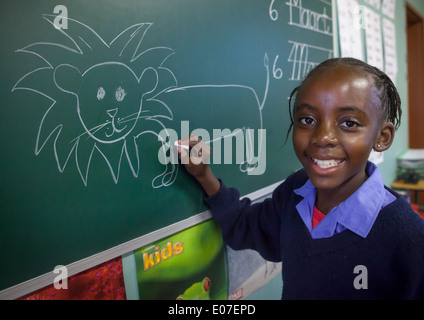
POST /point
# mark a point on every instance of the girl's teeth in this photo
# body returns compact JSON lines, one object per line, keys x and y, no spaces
{"x":325,"y":164}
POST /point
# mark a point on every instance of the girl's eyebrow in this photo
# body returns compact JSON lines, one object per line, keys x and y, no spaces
{"x":351,"y":109}
{"x":305,"y":106}
{"x":339,"y":109}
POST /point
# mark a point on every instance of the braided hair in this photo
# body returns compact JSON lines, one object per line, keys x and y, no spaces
{"x":389,"y":97}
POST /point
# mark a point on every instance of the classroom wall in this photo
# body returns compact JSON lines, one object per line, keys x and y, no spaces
{"x":388,"y":168}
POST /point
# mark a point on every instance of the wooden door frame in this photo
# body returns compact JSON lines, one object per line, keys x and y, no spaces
{"x":415,"y":54}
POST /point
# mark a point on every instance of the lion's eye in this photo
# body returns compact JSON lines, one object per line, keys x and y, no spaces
{"x":120,"y":94}
{"x":100,"y":93}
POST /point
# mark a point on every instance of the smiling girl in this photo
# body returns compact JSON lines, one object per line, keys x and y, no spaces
{"x":335,"y":214}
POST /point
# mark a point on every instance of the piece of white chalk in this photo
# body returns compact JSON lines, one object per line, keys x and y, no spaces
{"x":185,"y":147}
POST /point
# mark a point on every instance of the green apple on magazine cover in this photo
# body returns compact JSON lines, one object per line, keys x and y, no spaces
{"x":189,"y":265}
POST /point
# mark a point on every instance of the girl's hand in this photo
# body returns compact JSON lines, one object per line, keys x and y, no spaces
{"x":196,"y":160}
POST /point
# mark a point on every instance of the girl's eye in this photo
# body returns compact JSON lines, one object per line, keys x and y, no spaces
{"x":350,"y":124}
{"x":306,"y":121}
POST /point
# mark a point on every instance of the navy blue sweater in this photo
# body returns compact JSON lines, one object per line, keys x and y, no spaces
{"x":390,"y":258}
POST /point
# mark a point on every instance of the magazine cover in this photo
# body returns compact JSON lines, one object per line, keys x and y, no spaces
{"x":189,"y":265}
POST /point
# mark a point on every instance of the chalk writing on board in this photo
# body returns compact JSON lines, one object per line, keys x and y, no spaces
{"x":116,"y":90}
{"x":304,"y":57}
{"x":273,"y":13}
{"x":277,"y":72}
{"x":308,"y":19}
{"x":302,"y":17}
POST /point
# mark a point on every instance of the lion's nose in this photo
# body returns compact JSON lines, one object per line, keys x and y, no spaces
{"x":112,"y":112}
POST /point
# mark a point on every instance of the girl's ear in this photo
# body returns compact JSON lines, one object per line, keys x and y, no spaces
{"x":385,"y":139}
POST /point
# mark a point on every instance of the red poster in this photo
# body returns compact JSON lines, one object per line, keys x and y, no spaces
{"x":103,"y":282}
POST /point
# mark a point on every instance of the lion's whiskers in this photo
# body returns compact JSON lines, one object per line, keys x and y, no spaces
{"x":131,"y":117}
{"x":96,"y":128}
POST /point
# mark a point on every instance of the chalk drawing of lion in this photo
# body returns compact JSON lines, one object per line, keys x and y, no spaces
{"x":112,"y":88}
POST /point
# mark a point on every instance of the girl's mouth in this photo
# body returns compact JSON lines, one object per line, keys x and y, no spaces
{"x":325,"y":164}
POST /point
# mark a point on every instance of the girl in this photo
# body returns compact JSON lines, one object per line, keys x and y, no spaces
{"x":340,"y":233}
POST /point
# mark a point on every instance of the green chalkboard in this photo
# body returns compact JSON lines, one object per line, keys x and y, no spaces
{"x":88,"y":86}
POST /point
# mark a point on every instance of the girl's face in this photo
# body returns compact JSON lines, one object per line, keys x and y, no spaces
{"x":337,"y":122}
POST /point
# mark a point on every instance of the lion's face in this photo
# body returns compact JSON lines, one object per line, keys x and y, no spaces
{"x":103,"y":95}
{"x":109,"y":102}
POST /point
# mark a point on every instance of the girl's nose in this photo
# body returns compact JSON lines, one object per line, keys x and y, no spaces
{"x":325,"y":135}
